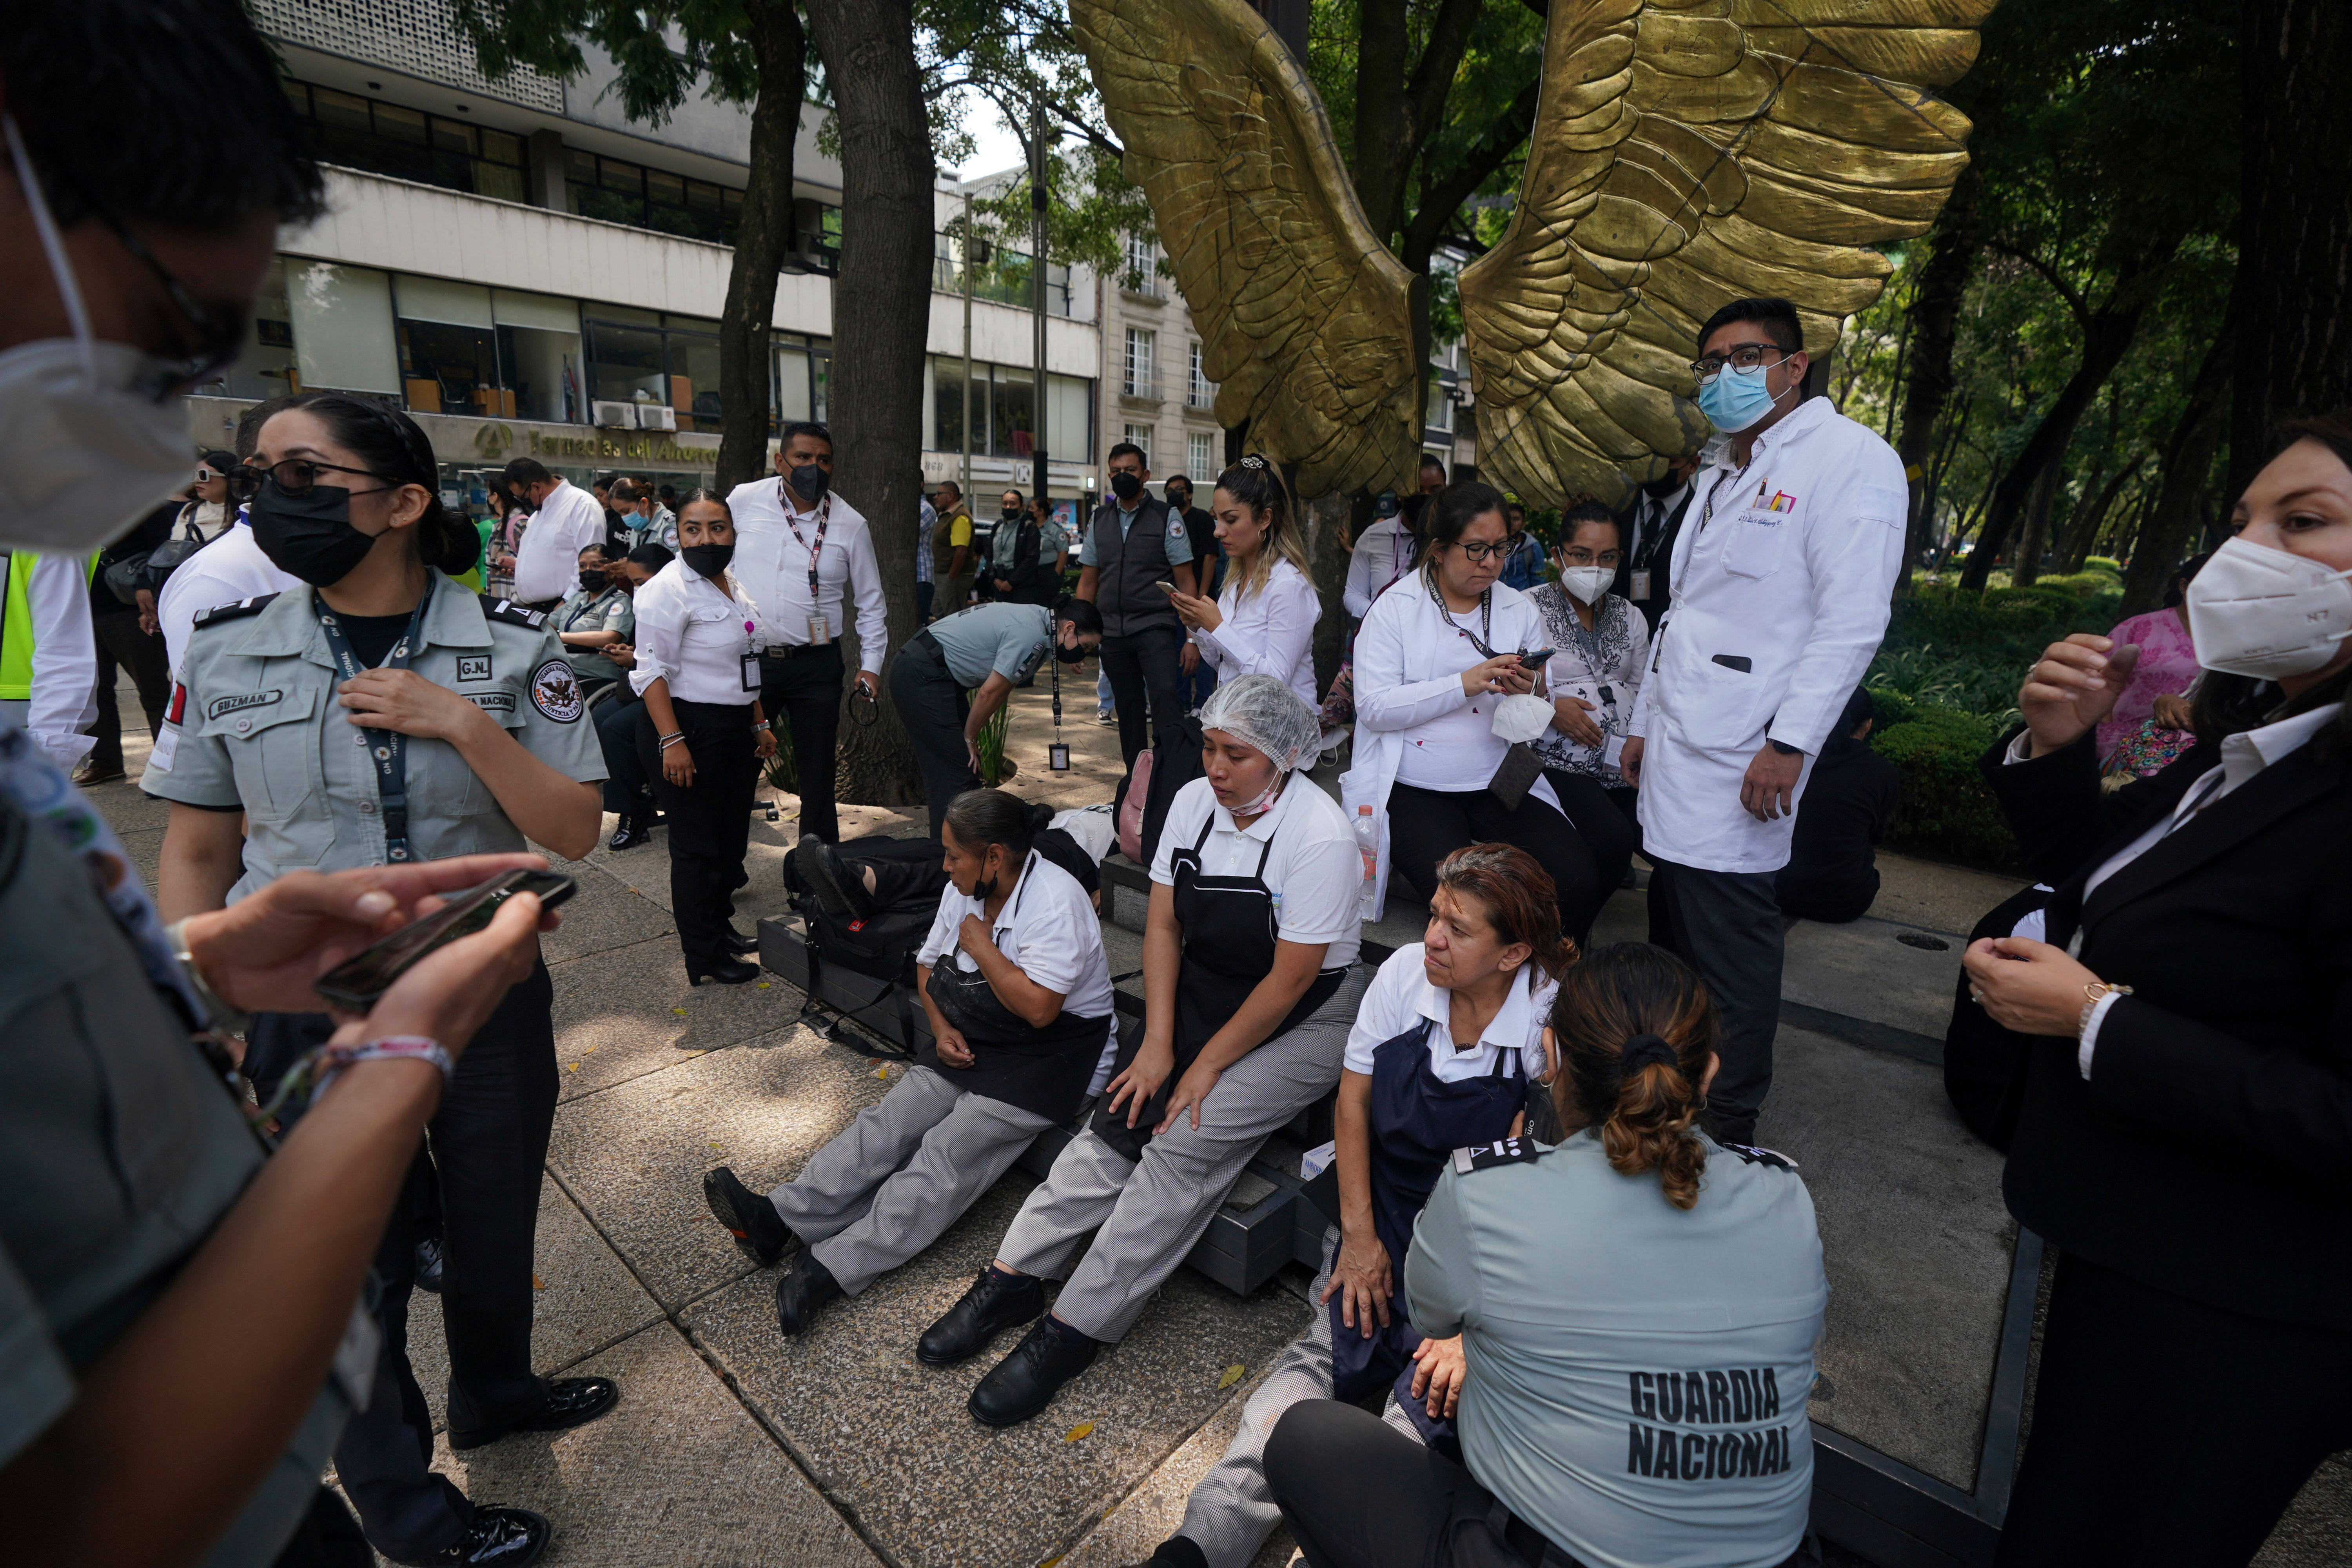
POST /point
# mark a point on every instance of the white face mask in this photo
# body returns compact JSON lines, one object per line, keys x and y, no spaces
{"x":1587,"y":583}
{"x":86,"y":454}
{"x":2265,"y":613}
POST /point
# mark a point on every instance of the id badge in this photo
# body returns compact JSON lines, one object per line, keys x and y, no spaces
{"x":820,"y":632}
{"x":1641,"y":583}
{"x":750,"y":672}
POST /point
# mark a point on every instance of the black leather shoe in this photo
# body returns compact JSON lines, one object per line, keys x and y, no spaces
{"x":758,"y":1229}
{"x":996,"y":1301}
{"x":571,"y":1402}
{"x":840,"y":891}
{"x":428,"y":1265}
{"x":1025,"y":1382}
{"x":632,"y":832}
{"x":726,"y":971}
{"x":499,"y":1538}
{"x":1177,"y":1552}
{"x":805,"y":1286}
{"x":738,"y":943}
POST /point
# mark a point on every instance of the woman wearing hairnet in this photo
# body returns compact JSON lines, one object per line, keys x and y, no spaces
{"x":1249,"y":983}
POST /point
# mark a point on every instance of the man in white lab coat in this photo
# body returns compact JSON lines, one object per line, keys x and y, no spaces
{"x":1781,"y":576}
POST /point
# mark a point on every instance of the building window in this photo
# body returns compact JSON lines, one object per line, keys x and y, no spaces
{"x":632,"y":194}
{"x":646,"y":358}
{"x":1003,"y":417}
{"x":1140,"y":436}
{"x":1200,"y":456}
{"x":1198,"y":391}
{"x":407,"y":143}
{"x":1441,"y":404}
{"x":1137,"y":380}
{"x":998,"y":273}
{"x":1141,"y":275}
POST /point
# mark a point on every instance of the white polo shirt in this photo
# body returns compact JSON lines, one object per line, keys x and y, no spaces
{"x":694,"y":633}
{"x":547,"y":561}
{"x":1400,"y":997}
{"x":1312,"y":865}
{"x":1049,"y":930}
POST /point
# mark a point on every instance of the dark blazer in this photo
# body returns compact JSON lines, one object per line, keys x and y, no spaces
{"x":1025,"y":577}
{"x":2207,"y":1153}
{"x":1661,"y":558}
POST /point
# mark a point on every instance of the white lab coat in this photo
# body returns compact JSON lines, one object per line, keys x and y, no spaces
{"x":1792,"y":573}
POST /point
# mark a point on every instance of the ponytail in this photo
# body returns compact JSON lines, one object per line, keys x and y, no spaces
{"x":1635,"y":1029}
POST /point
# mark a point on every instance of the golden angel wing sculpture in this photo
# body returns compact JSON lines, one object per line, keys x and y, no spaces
{"x":1686,"y":154}
{"x":1302,"y":312}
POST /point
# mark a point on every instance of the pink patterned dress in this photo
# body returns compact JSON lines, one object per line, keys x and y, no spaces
{"x":2168,"y":663}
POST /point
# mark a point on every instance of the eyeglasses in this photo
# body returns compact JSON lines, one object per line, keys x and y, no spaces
{"x":1580,"y":557}
{"x":1477,"y":553}
{"x":217,"y":334}
{"x":296,"y":476}
{"x":1739,"y":356}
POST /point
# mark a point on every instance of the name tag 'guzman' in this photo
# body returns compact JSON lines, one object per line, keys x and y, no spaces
{"x":1503,"y":1152}
{"x":219,"y":706}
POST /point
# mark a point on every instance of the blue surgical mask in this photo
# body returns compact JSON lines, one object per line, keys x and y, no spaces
{"x":1736,"y":399}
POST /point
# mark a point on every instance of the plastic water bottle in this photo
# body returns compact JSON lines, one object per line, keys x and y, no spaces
{"x":1368,"y":841}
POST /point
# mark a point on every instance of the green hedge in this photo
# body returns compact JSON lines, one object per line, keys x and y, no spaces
{"x":1945,"y":808}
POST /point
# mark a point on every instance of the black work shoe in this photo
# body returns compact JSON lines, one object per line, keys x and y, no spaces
{"x":840,"y":891}
{"x":428,"y":1265}
{"x":629,"y":835}
{"x":758,"y":1229}
{"x":735,"y":943}
{"x":499,"y":1538}
{"x":1177,"y":1552}
{"x":805,"y":1286}
{"x":1025,"y":1382}
{"x":996,"y":1301}
{"x":571,"y":1402}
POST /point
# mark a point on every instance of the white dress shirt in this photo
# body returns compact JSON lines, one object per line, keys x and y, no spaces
{"x":2243,"y":755}
{"x":547,"y":561}
{"x":1383,"y":552}
{"x":65,"y":652}
{"x":694,"y":633}
{"x":1312,"y":866}
{"x":1047,"y":930}
{"x":1785,"y":567}
{"x":1400,"y":997}
{"x":773,"y":567}
{"x":228,"y":570}
{"x":1270,"y":633}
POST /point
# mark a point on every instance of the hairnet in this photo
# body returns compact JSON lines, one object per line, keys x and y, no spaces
{"x":1260,"y":711}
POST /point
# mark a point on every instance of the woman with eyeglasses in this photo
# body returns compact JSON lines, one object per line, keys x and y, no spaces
{"x":1436,"y":656}
{"x":1603,"y":645}
{"x":381,"y":715}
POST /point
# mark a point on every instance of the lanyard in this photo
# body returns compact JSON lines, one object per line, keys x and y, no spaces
{"x":1653,"y":528}
{"x":1485,"y":617}
{"x":824,"y":517}
{"x":572,"y":621}
{"x":388,"y":747}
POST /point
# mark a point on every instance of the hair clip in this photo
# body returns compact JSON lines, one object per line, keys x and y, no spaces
{"x":1253,"y":461}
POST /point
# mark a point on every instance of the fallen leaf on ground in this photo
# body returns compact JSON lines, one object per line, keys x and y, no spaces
{"x":537,"y":1283}
{"x":572,"y":1066}
{"x":679,"y":1011}
{"x":1234,"y":1374}
{"x":1082,"y":1429}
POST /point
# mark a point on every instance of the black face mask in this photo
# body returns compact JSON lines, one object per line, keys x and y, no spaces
{"x":809,"y":483}
{"x":1011,"y":515}
{"x":708,"y":559}
{"x":1660,"y":489}
{"x":1070,"y":655}
{"x":594,"y":582}
{"x":1181,"y":500}
{"x":1126,"y":486}
{"x":309,"y":536}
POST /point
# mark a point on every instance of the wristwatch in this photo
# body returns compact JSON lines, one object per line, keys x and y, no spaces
{"x":226,"y":1019}
{"x":1785,"y":749}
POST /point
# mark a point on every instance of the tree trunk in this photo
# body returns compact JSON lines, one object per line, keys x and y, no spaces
{"x":2295,"y":224}
{"x":2179,"y":513}
{"x":2105,"y":336}
{"x":2082,"y":532}
{"x":762,"y":235}
{"x":2027,"y":567}
{"x":1934,"y":328}
{"x":881,"y":312}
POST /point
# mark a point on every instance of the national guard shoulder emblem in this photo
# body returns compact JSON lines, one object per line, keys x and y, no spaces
{"x":556,"y":691}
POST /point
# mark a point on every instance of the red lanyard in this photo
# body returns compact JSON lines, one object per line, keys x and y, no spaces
{"x":823,"y":516}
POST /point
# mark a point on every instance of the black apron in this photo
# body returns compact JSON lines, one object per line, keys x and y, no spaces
{"x":1418,"y":1119}
{"x":1043,"y":1071}
{"x":1229,"y":930}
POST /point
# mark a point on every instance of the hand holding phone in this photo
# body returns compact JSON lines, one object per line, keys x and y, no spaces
{"x":357,"y":983}
{"x":1165,"y":586}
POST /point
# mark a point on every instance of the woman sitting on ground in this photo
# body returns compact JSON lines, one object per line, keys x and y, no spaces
{"x":1016,"y":988}
{"x":1444,"y":1054}
{"x":1638,"y":1309}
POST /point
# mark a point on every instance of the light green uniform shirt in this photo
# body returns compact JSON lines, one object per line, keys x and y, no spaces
{"x":254,"y":725}
{"x":1010,"y":639}
{"x":604,"y":611}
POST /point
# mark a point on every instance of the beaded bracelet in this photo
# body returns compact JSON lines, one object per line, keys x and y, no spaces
{"x":310,"y":1075}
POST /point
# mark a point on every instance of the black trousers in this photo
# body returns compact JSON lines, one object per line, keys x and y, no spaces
{"x":2169,"y":1433}
{"x":804,"y":691}
{"x":122,"y":646}
{"x":1727,"y":925}
{"x":710,"y":821}
{"x":487,"y":1145}
{"x":1607,"y":831}
{"x":626,"y":794}
{"x":1140,"y":667}
{"x":1427,"y":826}
{"x":1358,"y":1493}
{"x":933,"y":705}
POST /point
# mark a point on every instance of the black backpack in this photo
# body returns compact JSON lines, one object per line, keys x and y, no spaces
{"x":883,"y":945}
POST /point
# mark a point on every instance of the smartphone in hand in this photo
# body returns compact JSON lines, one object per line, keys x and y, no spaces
{"x":356,"y":983}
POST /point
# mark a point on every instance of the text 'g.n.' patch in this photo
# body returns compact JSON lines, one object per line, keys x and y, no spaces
{"x":220,"y":705}
{"x":473,"y":667}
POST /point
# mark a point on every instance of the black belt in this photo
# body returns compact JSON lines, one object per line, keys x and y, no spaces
{"x":796,"y":651}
